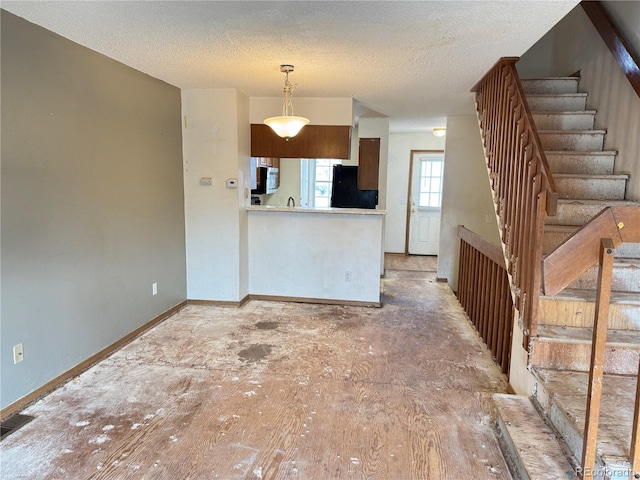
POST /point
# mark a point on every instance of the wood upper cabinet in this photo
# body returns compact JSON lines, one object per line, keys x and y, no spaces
{"x":313,"y":141}
{"x":368,"y":163}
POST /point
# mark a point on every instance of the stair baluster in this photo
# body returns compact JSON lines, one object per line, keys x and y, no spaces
{"x":598,"y":347}
{"x":523,"y":189}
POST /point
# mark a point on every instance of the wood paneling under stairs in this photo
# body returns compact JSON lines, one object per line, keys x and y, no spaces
{"x":277,"y":390}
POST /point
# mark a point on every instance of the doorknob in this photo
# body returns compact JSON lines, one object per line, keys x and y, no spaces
{"x":413,"y":210}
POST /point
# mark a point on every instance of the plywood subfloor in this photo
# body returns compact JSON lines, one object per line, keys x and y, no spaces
{"x":417,"y":263}
{"x":279,"y":391}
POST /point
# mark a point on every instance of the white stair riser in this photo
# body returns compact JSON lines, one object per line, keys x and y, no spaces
{"x":550,"y":85}
{"x":564,"y":121}
{"x":589,"y":188}
{"x":580,"y":313}
{"x":582,"y":142}
{"x":552,"y":103}
{"x":577,"y":357}
{"x":577,"y":163}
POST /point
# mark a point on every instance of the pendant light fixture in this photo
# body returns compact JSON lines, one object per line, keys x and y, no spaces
{"x":287,"y":126}
{"x":439,"y":131}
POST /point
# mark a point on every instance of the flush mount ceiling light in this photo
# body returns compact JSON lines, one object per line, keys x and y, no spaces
{"x":287,"y":126}
{"x":439,"y":131}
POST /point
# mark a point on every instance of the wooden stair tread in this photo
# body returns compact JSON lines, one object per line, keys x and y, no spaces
{"x":563,"y":112}
{"x":562,"y":228}
{"x":573,"y":294}
{"x":611,"y":203}
{"x":565,"y":95}
{"x":573,"y":78}
{"x":564,"y":395}
{"x":589,"y":131}
{"x":581,"y":152}
{"x":530,"y":445}
{"x":613,"y":176}
{"x":619,"y":338}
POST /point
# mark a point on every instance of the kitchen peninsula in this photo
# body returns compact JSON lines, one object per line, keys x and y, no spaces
{"x":316,"y":254}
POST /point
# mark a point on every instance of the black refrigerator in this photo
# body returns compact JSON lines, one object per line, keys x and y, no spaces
{"x":345,"y":192}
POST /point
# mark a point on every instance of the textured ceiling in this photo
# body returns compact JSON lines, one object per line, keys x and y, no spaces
{"x":411,"y":61}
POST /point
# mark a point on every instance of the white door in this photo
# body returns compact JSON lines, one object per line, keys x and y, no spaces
{"x":425,"y":203}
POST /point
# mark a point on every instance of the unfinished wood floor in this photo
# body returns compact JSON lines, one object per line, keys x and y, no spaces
{"x":279,"y":391}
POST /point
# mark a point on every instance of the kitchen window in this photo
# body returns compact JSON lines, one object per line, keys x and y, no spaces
{"x":316,"y":181}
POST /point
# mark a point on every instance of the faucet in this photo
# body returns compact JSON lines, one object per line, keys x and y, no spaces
{"x":291,"y":202}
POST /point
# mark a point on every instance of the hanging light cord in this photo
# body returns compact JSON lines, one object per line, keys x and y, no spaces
{"x":287,"y":107}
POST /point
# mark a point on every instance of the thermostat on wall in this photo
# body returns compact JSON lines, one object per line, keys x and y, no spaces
{"x":232,"y":183}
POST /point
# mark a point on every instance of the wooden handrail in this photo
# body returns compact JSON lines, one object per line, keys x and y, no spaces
{"x":581,"y":251}
{"x":485,"y":247}
{"x":595,"y":243}
{"x":625,"y":57}
{"x":524,"y":191}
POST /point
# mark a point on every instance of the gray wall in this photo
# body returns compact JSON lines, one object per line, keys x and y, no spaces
{"x":92,"y":203}
{"x":575,"y":45}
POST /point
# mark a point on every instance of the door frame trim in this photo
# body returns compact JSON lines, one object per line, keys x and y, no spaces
{"x":409,"y":192}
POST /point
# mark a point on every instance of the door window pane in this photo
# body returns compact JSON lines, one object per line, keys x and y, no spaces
{"x":430,"y":182}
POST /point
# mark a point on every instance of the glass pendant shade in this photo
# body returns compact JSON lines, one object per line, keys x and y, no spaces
{"x":287,"y":125}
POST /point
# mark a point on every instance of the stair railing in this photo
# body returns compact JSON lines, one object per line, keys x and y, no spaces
{"x":595,"y":243}
{"x":485,"y":294}
{"x":523,"y":189}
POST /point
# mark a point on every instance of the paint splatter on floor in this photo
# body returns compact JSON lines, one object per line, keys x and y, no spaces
{"x":279,"y":390}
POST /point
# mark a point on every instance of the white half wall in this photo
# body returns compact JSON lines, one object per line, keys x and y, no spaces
{"x":400,"y":146}
{"x":466,"y":194}
{"x":308,"y":255}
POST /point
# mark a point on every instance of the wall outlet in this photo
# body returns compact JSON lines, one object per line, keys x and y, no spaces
{"x":154,"y":289}
{"x":18,"y":353}
{"x":347,"y":276}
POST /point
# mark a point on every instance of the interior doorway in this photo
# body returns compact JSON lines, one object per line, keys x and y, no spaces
{"x":424,"y":202}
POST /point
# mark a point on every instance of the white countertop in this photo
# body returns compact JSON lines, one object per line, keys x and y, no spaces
{"x":342,"y":211}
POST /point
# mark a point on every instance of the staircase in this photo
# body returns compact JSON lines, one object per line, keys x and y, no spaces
{"x":560,"y":349}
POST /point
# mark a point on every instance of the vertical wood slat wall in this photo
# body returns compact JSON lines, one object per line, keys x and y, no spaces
{"x":523,"y":189}
{"x":484,"y":293}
